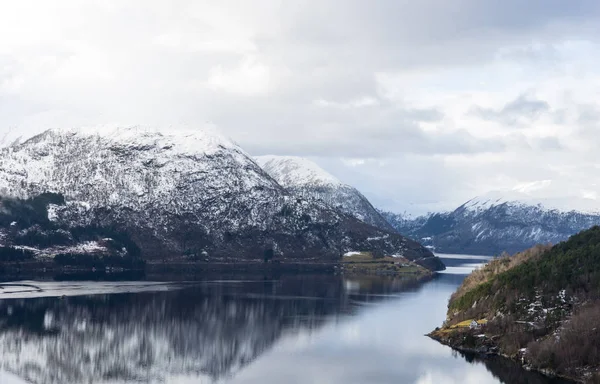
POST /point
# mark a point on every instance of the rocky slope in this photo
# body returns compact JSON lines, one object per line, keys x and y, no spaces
{"x":304,"y":178}
{"x":540,"y":307}
{"x":178,"y":194}
{"x":497,"y":223}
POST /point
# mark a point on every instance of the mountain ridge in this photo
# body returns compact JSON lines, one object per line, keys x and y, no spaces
{"x":305,"y":178}
{"x":493,"y":224}
{"x":565,"y":204}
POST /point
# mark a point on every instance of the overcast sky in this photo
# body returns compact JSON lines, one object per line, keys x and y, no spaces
{"x":419,"y":104}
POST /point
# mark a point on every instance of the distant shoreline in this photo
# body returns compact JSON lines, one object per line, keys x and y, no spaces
{"x":48,"y":269}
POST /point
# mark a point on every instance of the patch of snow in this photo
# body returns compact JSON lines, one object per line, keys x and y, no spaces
{"x":25,"y":248}
{"x":562,"y":295}
{"x":293,"y":171}
{"x":87,"y":247}
{"x":378,"y":237}
{"x":52,"y":212}
{"x":351,"y":253}
{"x":205,"y":140}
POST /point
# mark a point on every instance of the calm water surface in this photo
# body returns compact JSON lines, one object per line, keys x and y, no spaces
{"x":287,"y":329}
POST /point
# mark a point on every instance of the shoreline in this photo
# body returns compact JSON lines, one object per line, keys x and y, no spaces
{"x":492,"y":351}
{"x":48,"y":269}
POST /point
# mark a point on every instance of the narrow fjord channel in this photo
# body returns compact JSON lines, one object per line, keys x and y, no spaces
{"x":284,"y":329}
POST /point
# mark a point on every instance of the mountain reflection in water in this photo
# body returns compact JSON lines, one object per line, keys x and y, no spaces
{"x":212,"y":331}
{"x":209,"y":330}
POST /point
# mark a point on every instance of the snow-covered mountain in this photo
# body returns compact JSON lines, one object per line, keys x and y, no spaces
{"x":304,"y":178}
{"x":176,"y":192}
{"x":498,"y":222}
{"x":520,"y":199}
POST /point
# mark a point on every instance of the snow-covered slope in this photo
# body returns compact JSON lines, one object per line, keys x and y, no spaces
{"x":519,"y":199}
{"x":498,"y":222}
{"x":304,"y":178}
{"x":180,"y":192}
{"x":294,"y":172}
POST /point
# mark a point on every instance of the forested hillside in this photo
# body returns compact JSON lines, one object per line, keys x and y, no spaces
{"x":541,"y":306}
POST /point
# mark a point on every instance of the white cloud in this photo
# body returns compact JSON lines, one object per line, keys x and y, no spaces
{"x":353,"y":162}
{"x":532,"y":186}
{"x":250,"y":77}
{"x":365,"y":101}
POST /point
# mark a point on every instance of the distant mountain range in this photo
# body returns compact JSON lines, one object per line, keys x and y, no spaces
{"x":491,"y":224}
{"x":498,"y":222}
{"x":175,"y":195}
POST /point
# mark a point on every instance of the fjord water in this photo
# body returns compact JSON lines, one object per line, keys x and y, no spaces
{"x":259,"y":329}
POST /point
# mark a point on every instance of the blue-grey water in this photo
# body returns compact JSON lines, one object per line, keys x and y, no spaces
{"x":251,"y":329}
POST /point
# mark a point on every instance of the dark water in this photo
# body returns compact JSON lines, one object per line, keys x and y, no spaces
{"x":291,"y":329}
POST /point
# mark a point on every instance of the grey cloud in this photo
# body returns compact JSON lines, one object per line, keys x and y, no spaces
{"x":436,"y":32}
{"x":520,"y":143}
{"x":577,"y":115}
{"x":377,"y":143}
{"x":332,"y":132}
{"x":425,"y":115}
{"x":525,"y":106}
{"x":548,"y":144}
{"x":522,"y":107}
{"x":559,"y":116}
{"x":328,"y":49}
{"x":588,"y":114}
{"x":447,"y":20}
{"x":546,"y":54}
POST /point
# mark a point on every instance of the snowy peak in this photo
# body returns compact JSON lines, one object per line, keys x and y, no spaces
{"x":205,"y":140}
{"x":306,"y":179}
{"x":109,"y":164}
{"x":294,"y":172}
{"x":496,"y":222}
{"x":519,"y":199}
